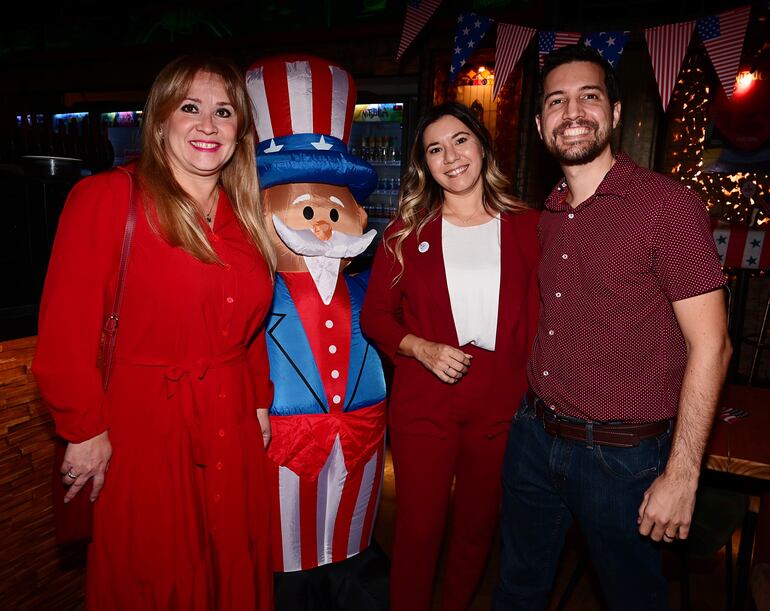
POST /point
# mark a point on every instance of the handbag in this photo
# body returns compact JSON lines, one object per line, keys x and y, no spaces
{"x":73,"y":521}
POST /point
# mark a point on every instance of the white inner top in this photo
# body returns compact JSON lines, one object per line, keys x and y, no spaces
{"x":472,"y":263}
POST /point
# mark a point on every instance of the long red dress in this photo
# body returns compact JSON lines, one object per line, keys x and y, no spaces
{"x":182,"y":521}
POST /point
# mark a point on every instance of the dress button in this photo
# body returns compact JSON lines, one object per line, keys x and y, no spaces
{"x":336,"y":399}
{"x":220,"y":466}
{"x":221,"y":432}
{"x":558,"y":294}
{"x":222,"y":395}
{"x":545,"y":373}
{"x":564,"y":257}
{"x":225,"y":332}
{"x":332,"y":349}
{"x":335,"y":374}
{"x":550,"y":331}
{"x":329,"y":324}
{"x":570,"y":216}
{"x":231,"y":300}
{"x":217,"y":497}
{"x":227,"y":266}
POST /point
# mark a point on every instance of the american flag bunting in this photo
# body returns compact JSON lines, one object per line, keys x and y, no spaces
{"x":548,"y":41}
{"x":609,"y":44}
{"x":741,"y":247}
{"x":417,"y":14}
{"x":470,"y":30}
{"x":723,"y":36}
{"x":667,"y":45}
{"x":511,"y":42}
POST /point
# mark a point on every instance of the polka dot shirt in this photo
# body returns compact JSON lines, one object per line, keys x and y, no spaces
{"x":608,"y":346}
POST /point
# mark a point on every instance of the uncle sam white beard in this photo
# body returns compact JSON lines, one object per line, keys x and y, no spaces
{"x":322,"y":257}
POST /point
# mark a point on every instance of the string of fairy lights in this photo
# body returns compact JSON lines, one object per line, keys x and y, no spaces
{"x":740,"y":197}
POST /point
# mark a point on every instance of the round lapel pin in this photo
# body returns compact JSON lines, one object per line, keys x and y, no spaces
{"x":423,"y":247}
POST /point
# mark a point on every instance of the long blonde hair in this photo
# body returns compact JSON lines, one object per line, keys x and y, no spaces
{"x":175,"y":215}
{"x":421,"y":196}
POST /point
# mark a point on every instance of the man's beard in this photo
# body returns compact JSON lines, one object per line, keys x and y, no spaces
{"x":582,"y":152}
{"x":322,"y":257}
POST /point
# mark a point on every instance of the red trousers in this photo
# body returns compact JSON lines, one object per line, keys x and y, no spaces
{"x":425,"y":468}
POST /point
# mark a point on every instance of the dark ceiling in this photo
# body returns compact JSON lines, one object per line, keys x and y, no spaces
{"x":38,"y":27}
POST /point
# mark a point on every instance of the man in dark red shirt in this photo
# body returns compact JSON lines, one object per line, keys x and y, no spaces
{"x":628,"y":362}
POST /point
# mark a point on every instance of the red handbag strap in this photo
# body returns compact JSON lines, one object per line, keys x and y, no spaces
{"x":112,"y":319}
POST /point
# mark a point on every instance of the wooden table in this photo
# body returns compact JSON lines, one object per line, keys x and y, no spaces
{"x":739,"y":452}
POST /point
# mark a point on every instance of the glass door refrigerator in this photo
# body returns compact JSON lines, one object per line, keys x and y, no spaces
{"x":379,"y":135}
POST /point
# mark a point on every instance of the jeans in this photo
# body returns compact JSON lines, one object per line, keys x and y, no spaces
{"x":548,"y":482}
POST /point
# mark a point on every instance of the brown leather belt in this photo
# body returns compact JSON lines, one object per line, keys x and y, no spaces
{"x":617,"y":435}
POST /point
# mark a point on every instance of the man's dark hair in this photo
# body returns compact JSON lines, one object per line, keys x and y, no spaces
{"x":579,"y":53}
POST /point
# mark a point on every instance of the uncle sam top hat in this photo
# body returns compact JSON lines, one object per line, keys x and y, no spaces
{"x":303,"y":111}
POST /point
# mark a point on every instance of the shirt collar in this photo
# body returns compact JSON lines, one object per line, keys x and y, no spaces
{"x":616,"y":182}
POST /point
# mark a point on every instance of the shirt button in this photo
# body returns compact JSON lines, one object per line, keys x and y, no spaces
{"x":545,"y":373}
{"x":222,"y":395}
{"x":335,"y":374}
{"x":329,"y":324}
{"x":550,"y":331}
{"x":227,"y":266}
{"x":336,"y":399}
{"x":220,"y":466}
{"x":217,"y":497}
{"x":221,"y":432}
{"x":231,"y":300}
{"x":558,"y":294}
{"x":570,"y":216}
{"x":225,"y":332}
{"x":564,"y":257}
{"x":332,"y":349}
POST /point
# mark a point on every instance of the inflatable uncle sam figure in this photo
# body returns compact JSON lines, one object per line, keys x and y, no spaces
{"x":328,"y":414}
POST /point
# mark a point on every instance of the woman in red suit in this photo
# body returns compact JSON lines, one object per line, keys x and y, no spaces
{"x":452,"y":300}
{"x":180,"y":519}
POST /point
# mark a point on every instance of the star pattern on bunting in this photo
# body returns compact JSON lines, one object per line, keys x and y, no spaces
{"x":470,"y":30}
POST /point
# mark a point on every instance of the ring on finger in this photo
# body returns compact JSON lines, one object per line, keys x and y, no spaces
{"x":71,"y":475}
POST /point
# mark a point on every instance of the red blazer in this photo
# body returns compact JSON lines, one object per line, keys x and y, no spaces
{"x":419,"y":304}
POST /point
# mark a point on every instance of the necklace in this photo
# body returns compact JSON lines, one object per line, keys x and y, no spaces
{"x":207,"y":215}
{"x":465,"y":220}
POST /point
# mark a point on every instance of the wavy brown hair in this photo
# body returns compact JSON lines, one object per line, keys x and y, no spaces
{"x":174,"y":213}
{"x":421,"y":196}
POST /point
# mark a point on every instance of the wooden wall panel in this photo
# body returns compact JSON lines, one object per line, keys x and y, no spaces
{"x":35,"y":573}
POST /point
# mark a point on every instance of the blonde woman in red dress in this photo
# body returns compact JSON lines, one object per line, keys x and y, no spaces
{"x":181,"y":517}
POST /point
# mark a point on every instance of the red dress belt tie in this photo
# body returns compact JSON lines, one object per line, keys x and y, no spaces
{"x":615,"y":434}
{"x":180,"y":377}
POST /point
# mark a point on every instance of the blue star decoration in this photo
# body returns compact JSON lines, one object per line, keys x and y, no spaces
{"x":756,"y":243}
{"x":609,"y":44}
{"x":722,"y":240}
{"x":470,"y":30}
